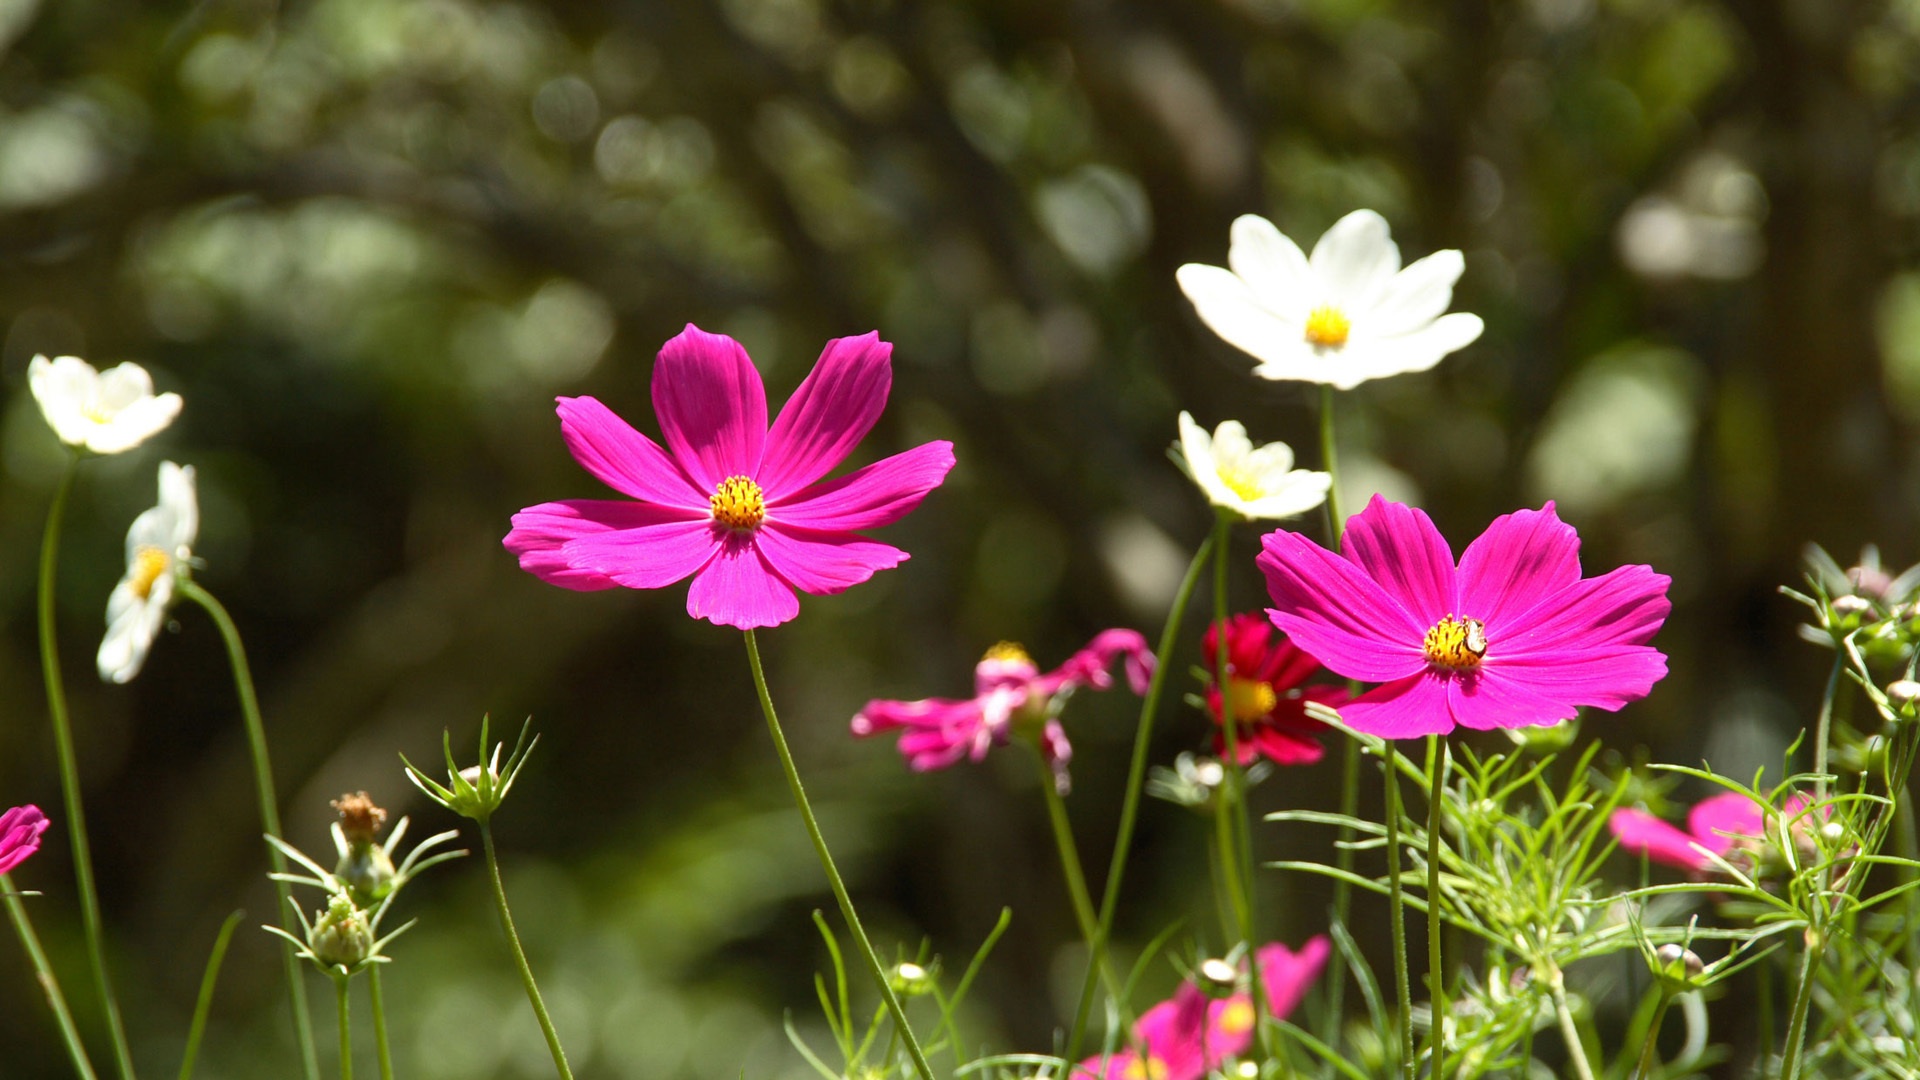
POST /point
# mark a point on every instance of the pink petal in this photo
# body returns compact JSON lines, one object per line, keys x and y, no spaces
{"x":1287,"y":975}
{"x":1715,"y":821}
{"x":624,"y":459}
{"x":1088,"y":667}
{"x":938,"y":731}
{"x":738,"y":589}
{"x":20,"y":832}
{"x":712,"y":406}
{"x":1399,"y":548}
{"x":1495,"y":697}
{"x":823,"y":563}
{"x":1622,"y":607}
{"x":1523,"y":558}
{"x":1337,"y":613}
{"x":1403,"y":708}
{"x":1604,"y":677}
{"x":827,"y":417}
{"x":540,"y":532}
{"x":1640,"y":833}
{"x":867,"y":498}
{"x":646,"y":557}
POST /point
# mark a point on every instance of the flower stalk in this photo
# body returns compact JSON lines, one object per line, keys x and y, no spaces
{"x":340,"y":984}
{"x":379,"y":1024}
{"x":1136,"y":783}
{"x":874,"y":967}
{"x":70,"y":773}
{"x":1350,"y":751}
{"x":43,"y":971}
{"x":519,"y":956}
{"x":269,"y":800}
{"x":1396,"y":902}
{"x":1436,"y":973}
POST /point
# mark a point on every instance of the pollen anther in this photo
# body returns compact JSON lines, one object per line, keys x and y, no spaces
{"x":1007,"y":652}
{"x":148,"y":564}
{"x":1250,"y":699}
{"x":1327,"y":327}
{"x":738,"y":503}
{"x":1456,"y":644}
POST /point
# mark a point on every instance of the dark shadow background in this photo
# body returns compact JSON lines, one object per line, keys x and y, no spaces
{"x":369,"y":240}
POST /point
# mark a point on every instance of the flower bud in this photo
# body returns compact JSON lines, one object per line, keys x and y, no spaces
{"x":365,"y":867}
{"x":341,"y":935}
{"x":1677,"y":967}
{"x":1904,"y":695}
{"x":476,"y":791}
{"x":909,"y":979}
{"x":1851,"y":606}
{"x":1218,"y":978}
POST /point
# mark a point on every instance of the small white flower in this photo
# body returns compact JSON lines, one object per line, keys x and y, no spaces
{"x":159,"y":552}
{"x":1254,"y":482}
{"x":104,"y":411}
{"x":1346,"y":315}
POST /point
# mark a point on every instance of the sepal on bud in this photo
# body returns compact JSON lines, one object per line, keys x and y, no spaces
{"x":474,"y":791}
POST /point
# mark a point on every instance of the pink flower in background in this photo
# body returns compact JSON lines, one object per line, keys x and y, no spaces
{"x":1265,"y":695}
{"x":738,"y":507}
{"x":1008,"y":688}
{"x":1512,"y":636}
{"x":1715,"y":826}
{"x":1190,"y":1034}
{"x":20,"y":830}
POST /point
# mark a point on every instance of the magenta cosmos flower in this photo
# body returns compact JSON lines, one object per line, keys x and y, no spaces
{"x":1009,"y":692}
{"x":1191,"y":1034}
{"x":1719,"y":826}
{"x":738,"y":507}
{"x":20,"y":830}
{"x":1512,"y":636}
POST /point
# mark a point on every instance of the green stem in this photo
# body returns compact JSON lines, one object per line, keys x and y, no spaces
{"x":198,"y":1027}
{"x":1350,"y":761}
{"x":1823,"y":731}
{"x":70,"y":775}
{"x":826,"y":862}
{"x":269,"y":800}
{"x":1436,"y":973}
{"x":1576,"y":1049}
{"x":1130,"y":803}
{"x":340,"y":983}
{"x":1802,"y":1002}
{"x":1232,"y":807}
{"x":520,"y":955}
{"x":379,"y":1023}
{"x":1644,"y":1071}
{"x":1403,"y":988}
{"x":17,"y":911}
{"x":1076,"y":876}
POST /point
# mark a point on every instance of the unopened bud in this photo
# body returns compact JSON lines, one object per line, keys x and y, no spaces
{"x":1904,"y":694}
{"x":364,"y":865}
{"x":910,"y":979}
{"x":1833,"y":832}
{"x":1677,"y":967}
{"x":341,"y":936}
{"x":360,"y":819}
{"x":1218,"y":978}
{"x":1851,"y":605}
{"x":1247,"y":1070}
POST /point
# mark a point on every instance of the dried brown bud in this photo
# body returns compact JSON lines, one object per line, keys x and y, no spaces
{"x":360,"y":820}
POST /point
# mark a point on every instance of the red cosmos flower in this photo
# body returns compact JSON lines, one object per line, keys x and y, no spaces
{"x":20,"y":830}
{"x":1265,"y":695}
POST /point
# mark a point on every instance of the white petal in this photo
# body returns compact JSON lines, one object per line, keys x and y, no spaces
{"x":1415,"y":297}
{"x":131,"y":626}
{"x":1302,"y":491}
{"x":63,"y":386}
{"x":1231,"y":310}
{"x":1417,"y":351}
{"x":1270,"y":463}
{"x":1273,"y":267}
{"x":1355,"y":259}
{"x":178,"y":497}
{"x":1231,"y":444}
{"x":122,"y":385}
{"x":134,"y":424}
{"x":1197,"y":447}
{"x":1307,"y":364}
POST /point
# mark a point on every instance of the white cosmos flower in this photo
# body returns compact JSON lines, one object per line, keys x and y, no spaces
{"x":1256,"y":482}
{"x":1347,"y":314}
{"x":104,"y":411}
{"x":159,"y":553}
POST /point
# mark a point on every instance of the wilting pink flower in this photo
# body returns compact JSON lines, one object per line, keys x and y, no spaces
{"x":1190,"y":1034}
{"x":1009,"y":692}
{"x":20,"y":830}
{"x":1265,"y":695}
{"x":1716,"y":826}
{"x":1512,"y":636}
{"x":740,"y":508}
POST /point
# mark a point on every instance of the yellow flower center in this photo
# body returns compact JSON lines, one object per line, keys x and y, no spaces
{"x":1241,"y":483}
{"x":97,"y":413}
{"x":738,"y":503}
{"x":1237,"y":1017}
{"x":1327,"y":327}
{"x":1456,"y":644}
{"x":148,"y":564}
{"x":1150,"y":1069}
{"x":1007,"y":652}
{"x":1248,"y":699}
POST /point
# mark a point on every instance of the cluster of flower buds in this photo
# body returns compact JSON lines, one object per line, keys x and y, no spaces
{"x":1879,"y":610}
{"x":343,"y":939}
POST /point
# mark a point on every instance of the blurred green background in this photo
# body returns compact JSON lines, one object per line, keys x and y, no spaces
{"x":369,"y":240}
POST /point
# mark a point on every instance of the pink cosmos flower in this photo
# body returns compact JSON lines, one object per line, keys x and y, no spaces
{"x":1265,"y":695}
{"x":1190,"y":1034}
{"x":1716,"y":826}
{"x":1511,"y":636}
{"x":740,"y":508}
{"x":20,"y":830}
{"x":1009,"y":691}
